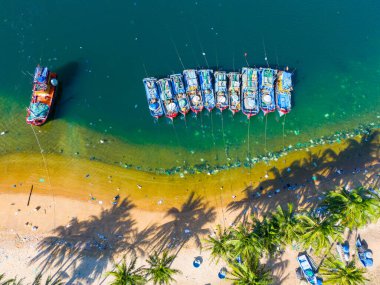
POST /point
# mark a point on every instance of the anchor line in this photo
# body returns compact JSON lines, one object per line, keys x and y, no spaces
{"x":265,"y":135}
{"x":47,"y":172}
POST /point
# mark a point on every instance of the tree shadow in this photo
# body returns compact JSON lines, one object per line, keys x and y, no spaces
{"x":188,"y":223}
{"x":84,"y":248}
{"x":304,"y":182}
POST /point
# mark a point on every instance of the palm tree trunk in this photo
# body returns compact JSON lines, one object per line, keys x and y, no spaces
{"x":325,"y":255}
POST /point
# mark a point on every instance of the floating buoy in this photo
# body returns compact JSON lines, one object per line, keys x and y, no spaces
{"x":267,"y":99}
{"x":54,"y":82}
{"x":245,"y":54}
{"x":203,"y":53}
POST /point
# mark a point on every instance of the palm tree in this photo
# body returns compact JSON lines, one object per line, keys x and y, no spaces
{"x":356,"y":208}
{"x":5,"y":282}
{"x":244,"y":243}
{"x":337,"y":272}
{"x":218,"y":245}
{"x":159,"y":268}
{"x":250,"y":272}
{"x":268,"y":235}
{"x":286,"y":223}
{"x":319,"y":232}
{"x":127,"y":274}
{"x":49,"y":280}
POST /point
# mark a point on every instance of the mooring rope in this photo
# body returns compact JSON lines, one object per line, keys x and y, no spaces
{"x":46,"y":169}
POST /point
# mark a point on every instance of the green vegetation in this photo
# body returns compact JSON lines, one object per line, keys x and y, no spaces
{"x":318,"y":229}
{"x":159,"y":270}
{"x":335,"y":272}
{"x":127,"y":274}
{"x":36,"y":281}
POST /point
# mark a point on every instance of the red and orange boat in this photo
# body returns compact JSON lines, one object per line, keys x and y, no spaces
{"x":44,"y":91}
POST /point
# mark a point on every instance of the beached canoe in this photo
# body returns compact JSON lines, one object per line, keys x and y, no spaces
{"x":43,"y":95}
{"x":153,"y":98}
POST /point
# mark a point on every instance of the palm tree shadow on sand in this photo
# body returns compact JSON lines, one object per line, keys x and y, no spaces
{"x":188,"y":223}
{"x":295,"y":183}
{"x":84,"y":248}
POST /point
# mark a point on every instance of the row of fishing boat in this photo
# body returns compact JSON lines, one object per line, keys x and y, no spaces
{"x":250,"y":91}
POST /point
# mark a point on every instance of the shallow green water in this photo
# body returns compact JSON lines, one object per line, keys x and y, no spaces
{"x":102,"y":51}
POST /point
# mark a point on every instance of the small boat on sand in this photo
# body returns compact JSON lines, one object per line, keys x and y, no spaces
{"x":154,"y":101}
{"x":168,"y":99}
{"x":44,"y":91}
{"x":250,"y":92}
{"x":266,"y":86}
{"x":234,"y":91}
{"x":192,"y":90}
{"x":205,"y":80}
{"x":180,"y":93}
{"x":221,"y":90}
{"x":283,"y":92}
{"x":308,"y":270}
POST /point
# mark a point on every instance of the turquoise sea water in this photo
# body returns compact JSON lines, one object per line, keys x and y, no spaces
{"x":102,"y":51}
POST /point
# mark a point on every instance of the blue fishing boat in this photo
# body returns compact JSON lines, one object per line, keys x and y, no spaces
{"x":221,"y":90}
{"x":266,"y":88}
{"x":205,"y":80}
{"x":168,"y":99}
{"x":154,"y":102}
{"x":180,"y":93}
{"x":308,"y":270}
{"x":234,"y":91}
{"x":283,"y":92}
{"x":192,"y":90}
{"x":250,"y":92}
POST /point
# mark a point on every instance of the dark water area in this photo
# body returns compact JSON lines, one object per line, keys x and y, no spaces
{"x":102,"y":52}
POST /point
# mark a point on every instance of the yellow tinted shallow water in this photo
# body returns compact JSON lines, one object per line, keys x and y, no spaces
{"x":81,"y":179}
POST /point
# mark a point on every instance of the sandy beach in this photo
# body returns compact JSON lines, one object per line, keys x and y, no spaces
{"x":62,"y":219}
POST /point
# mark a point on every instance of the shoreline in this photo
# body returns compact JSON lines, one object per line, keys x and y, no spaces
{"x":82,"y":179}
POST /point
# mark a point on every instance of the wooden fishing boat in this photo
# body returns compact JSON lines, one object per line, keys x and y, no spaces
{"x":205,"y":80}
{"x":283,"y":92}
{"x":234,"y":91}
{"x":250,"y":92}
{"x":168,"y":99}
{"x":192,"y":90}
{"x":266,"y":88}
{"x":154,"y":101}
{"x":221,"y":90}
{"x":180,"y":92}
{"x":44,"y":92}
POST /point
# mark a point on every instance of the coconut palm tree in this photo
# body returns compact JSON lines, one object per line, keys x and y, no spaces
{"x":244,"y":243}
{"x":268,"y":235}
{"x":218,"y":244}
{"x":127,"y":274}
{"x":286,"y":222}
{"x":249,"y":272}
{"x":5,"y":282}
{"x":337,"y":272}
{"x":319,"y":232}
{"x":356,"y":208}
{"x":159,"y":270}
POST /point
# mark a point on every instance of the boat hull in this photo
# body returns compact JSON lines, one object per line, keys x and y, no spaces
{"x":169,"y":100}
{"x":153,"y":98}
{"x":45,"y":99}
{"x":180,"y":93}
{"x":193,"y":90}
